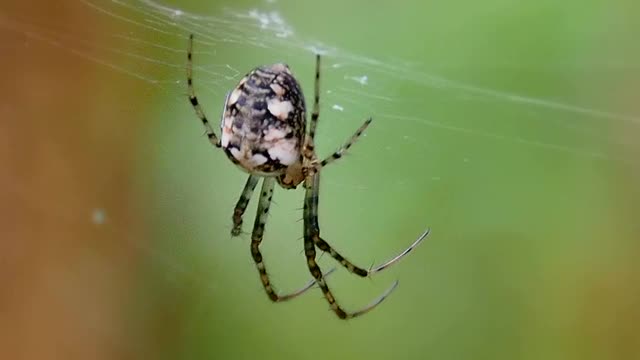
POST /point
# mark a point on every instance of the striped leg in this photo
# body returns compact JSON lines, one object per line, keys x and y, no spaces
{"x":316,"y":101}
{"x":308,"y":149}
{"x":352,"y":140}
{"x":242,"y":204}
{"x":312,"y":232}
{"x":194,"y":100}
{"x":256,"y":239}
{"x":324,"y":246}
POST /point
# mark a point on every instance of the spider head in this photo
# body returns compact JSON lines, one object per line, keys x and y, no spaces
{"x":292,"y":177}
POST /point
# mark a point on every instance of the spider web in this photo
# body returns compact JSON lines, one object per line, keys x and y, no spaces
{"x":428,"y":128}
{"x":149,"y":40}
{"x":419,"y":142}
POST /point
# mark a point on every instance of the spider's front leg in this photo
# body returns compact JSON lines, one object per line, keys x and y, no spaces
{"x":256,"y":238}
{"x":311,"y":237}
{"x":323,"y":245}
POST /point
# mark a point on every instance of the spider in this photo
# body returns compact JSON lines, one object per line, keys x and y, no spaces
{"x":263,"y":129}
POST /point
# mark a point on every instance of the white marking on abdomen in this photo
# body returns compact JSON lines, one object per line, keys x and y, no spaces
{"x":279,"y":109}
{"x":285,"y":151}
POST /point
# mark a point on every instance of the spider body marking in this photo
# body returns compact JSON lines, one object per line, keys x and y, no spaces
{"x":264,"y":133}
{"x":263,"y":122}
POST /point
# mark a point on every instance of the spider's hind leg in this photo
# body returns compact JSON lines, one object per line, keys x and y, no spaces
{"x":241,"y":205}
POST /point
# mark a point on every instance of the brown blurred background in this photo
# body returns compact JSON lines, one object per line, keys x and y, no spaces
{"x":64,"y":274}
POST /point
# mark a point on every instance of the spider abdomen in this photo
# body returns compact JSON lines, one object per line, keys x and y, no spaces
{"x":263,"y":123}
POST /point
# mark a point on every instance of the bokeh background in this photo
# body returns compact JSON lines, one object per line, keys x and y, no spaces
{"x":510,"y":129}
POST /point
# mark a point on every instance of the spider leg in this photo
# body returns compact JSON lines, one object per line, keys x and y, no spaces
{"x":256,"y":238}
{"x":242,"y":204}
{"x":316,"y":101}
{"x":324,"y":246}
{"x":397,"y":258}
{"x":352,"y":140}
{"x":308,"y":148}
{"x":311,"y":232}
{"x":194,"y":100}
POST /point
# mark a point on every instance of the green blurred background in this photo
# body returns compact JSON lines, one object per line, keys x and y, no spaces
{"x":508,"y":128}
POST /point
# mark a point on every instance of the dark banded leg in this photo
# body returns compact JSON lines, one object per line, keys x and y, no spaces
{"x":308,"y":149}
{"x":242,"y":204}
{"x":194,"y":100}
{"x":352,"y":140}
{"x":312,"y":231}
{"x":256,"y":238}
{"x":316,"y":101}
{"x":324,"y":246}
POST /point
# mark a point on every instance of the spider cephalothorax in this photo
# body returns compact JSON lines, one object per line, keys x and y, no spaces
{"x":264,"y":133}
